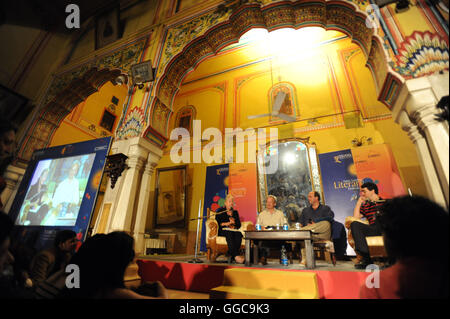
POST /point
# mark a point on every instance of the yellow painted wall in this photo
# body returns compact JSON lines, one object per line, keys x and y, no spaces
{"x":410,"y":20}
{"x":330,"y":79}
{"x":83,"y":123}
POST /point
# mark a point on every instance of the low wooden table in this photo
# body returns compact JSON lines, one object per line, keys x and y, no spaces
{"x":288,"y":235}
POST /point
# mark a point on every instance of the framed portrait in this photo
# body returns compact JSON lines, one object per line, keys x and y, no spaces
{"x":108,"y":120}
{"x":107,"y":28}
{"x":170,"y":197}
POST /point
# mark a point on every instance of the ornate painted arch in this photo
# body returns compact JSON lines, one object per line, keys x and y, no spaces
{"x":330,"y":15}
{"x":70,"y":87}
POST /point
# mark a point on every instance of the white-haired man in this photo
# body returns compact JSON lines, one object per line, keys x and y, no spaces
{"x":270,"y":217}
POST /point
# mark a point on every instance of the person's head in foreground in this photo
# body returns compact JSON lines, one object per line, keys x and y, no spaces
{"x":102,"y":261}
{"x":416,"y":235}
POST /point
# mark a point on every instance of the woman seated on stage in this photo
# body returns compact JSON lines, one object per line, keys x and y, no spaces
{"x":229,"y":224}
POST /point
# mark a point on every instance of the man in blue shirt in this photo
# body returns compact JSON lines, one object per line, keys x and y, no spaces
{"x":317,"y":218}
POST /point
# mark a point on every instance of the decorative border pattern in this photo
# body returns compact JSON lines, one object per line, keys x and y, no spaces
{"x":421,"y":54}
{"x":70,"y":87}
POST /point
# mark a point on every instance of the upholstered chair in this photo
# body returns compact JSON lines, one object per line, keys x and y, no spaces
{"x":217,"y":245}
{"x":375,"y":243}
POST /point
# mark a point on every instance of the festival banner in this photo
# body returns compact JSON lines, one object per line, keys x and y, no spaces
{"x":376,"y":163}
{"x":216,"y":189}
{"x":340,"y":183}
{"x":242,"y":185}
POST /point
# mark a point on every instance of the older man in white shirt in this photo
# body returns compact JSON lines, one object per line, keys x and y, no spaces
{"x":270,"y":217}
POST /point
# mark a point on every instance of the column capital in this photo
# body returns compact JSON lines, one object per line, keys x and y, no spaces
{"x":414,"y":132}
{"x":420,"y":94}
{"x":426,"y":117}
{"x":135,"y":161}
{"x":150,"y":168}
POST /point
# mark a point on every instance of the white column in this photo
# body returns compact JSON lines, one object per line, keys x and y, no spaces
{"x":437,"y":139}
{"x":144,"y":198}
{"x":122,"y":214}
{"x":418,"y":98}
{"x":426,"y":162}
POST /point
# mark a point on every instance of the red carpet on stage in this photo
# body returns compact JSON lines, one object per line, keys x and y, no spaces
{"x":203,"y":277}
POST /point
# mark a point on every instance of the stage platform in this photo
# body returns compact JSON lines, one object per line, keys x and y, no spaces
{"x":342,"y":281}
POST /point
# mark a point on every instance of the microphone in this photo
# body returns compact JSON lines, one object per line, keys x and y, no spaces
{"x":220,"y":212}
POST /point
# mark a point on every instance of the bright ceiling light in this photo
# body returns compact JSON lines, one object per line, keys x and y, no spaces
{"x":253,"y":35}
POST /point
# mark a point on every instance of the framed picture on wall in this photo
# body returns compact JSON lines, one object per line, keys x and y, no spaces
{"x":108,"y":120}
{"x":107,"y":28}
{"x":170,"y":197}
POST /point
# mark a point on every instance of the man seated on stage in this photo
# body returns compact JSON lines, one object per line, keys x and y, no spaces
{"x":368,"y":204}
{"x":317,"y":218}
{"x":270,"y":217}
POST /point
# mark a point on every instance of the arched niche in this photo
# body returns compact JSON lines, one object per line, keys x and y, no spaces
{"x":58,"y":103}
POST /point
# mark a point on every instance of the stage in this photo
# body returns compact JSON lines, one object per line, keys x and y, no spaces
{"x":342,"y":281}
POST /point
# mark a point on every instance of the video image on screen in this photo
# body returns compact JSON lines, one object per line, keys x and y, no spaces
{"x":55,"y":192}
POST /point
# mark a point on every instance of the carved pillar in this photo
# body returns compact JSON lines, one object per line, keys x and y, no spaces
{"x":426,"y":162}
{"x":128,"y":202}
{"x":437,"y":140}
{"x":122,"y":214}
{"x":144,"y":198}
{"x":418,"y":99}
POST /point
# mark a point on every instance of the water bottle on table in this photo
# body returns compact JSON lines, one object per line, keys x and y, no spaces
{"x":284,"y":258}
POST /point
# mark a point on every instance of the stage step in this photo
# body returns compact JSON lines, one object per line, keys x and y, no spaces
{"x":239,"y":283}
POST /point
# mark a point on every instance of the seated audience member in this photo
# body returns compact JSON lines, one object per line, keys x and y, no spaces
{"x":102,"y":261}
{"x":420,"y":251}
{"x":49,"y":261}
{"x":367,"y":206}
{"x":317,"y":218}
{"x":228,"y":217}
{"x":7,"y":148}
{"x":9,"y":288}
{"x":270,"y":217}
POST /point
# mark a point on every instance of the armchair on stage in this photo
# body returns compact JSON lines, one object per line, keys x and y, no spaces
{"x":375,"y":243}
{"x":217,"y":245}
